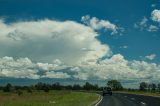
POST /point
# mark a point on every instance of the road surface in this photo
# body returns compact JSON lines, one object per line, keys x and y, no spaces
{"x":118,"y":99}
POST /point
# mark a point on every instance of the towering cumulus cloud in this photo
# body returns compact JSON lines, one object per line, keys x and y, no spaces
{"x":46,"y":40}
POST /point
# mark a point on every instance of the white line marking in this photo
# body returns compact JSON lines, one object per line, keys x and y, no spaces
{"x":132,"y":98}
{"x":99,"y":101}
{"x":143,"y":103}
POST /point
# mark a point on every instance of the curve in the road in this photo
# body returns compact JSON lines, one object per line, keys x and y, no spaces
{"x":119,"y":99}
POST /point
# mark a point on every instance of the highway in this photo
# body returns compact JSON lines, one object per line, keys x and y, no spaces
{"x":120,"y":99}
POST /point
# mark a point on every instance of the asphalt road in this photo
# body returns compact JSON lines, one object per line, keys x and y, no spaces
{"x":129,"y":100}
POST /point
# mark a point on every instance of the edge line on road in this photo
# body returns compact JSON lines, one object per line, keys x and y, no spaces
{"x":101,"y":98}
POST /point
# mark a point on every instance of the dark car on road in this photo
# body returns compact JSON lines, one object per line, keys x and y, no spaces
{"x":107,"y":90}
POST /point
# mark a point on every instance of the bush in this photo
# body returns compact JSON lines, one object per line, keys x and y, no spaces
{"x":29,"y":90}
{"x":19,"y":92}
{"x":46,"y":89}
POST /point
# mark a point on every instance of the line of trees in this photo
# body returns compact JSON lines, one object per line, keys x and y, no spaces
{"x":47,"y":87}
{"x":151,"y":87}
{"x":114,"y":84}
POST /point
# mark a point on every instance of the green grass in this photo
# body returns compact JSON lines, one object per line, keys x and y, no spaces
{"x":141,"y":93}
{"x":53,"y":98}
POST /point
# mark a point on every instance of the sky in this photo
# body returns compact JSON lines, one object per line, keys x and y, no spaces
{"x":80,"y":40}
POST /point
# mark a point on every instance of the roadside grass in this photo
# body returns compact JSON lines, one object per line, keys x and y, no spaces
{"x":146,"y":93}
{"x":52,"y":98}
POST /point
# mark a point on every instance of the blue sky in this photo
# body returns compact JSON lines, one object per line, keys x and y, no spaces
{"x":136,"y":23}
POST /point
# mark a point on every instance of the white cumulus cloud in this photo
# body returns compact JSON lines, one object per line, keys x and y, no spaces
{"x":52,"y":74}
{"x":25,"y":68}
{"x":115,"y":67}
{"x":97,"y":24}
{"x":142,"y":25}
{"x":119,"y":68}
{"x":152,"y":28}
{"x":20,"y":68}
{"x":155,"y":15}
{"x":124,"y":47}
{"x":151,"y":57}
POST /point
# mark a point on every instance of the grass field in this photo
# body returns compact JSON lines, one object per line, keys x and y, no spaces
{"x":52,"y":98}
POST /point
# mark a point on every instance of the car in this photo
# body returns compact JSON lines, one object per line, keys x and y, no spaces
{"x":107,"y":90}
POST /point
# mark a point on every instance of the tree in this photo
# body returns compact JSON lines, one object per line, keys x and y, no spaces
{"x":143,"y":86}
{"x":68,"y":87}
{"x":115,"y":85}
{"x":56,"y":86}
{"x":149,"y":87}
{"x":76,"y":87}
{"x":88,"y":86}
{"x":158,"y":86}
{"x":153,"y":87}
{"x":95,"y":87}
{"x":39,"y":86}
{"x":7,"y":88}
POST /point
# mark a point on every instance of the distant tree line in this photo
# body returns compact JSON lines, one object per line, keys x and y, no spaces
{"x":114,"y":84}
{"x":151,"y":87}
{"x":47,"y":87}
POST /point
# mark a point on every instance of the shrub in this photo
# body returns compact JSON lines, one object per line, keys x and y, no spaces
{"x":19,"y":92}
{"x":29,"y":90}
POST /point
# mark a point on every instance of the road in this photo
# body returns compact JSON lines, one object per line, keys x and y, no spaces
{"x":118,"y":99}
